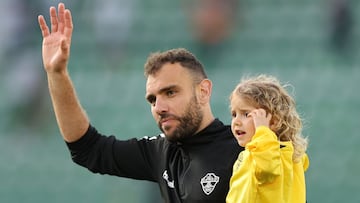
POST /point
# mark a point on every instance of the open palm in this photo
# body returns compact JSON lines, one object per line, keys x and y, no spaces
{"x":56,"y":43}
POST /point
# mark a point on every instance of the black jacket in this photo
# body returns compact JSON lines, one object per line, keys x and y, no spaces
{"x":196,"y":170}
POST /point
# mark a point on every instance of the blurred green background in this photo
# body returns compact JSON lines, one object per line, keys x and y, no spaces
{"x":312,"y":44}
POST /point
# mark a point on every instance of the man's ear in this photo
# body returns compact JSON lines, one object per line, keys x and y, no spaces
{"x":205,"y":88}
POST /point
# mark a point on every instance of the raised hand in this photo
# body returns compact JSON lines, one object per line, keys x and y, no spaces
{"x":260,"y":117}
{"x":57,"y":41}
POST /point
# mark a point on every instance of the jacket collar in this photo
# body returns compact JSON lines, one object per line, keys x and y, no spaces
{"x":206,"y":135}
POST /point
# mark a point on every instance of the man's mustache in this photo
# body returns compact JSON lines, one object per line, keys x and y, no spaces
{"x":166,"y":116}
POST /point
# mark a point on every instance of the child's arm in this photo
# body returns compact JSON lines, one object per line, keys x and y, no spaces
{"x":264,"y":150}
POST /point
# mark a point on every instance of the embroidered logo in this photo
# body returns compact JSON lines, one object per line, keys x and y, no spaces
{"x":208,"y":182}
{"x":239,"y":161}
{"x":166,"y":178}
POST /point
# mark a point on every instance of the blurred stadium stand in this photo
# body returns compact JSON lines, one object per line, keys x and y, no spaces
{"x":290,"y":39}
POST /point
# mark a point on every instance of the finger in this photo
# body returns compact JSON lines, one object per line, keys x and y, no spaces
{"x":251,"y":113}
{"x":258,"y":113}
{"x":53,"y":19}
{"x":268,"y":116}
{"x":61,"y":16}
{"x":262,"y":112}
{"x":43,"y":27}
{"x":68,"y":24}
{"x":254,"y":112}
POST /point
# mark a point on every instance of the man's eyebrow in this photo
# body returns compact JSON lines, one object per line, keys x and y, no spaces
{"x":151,"y":97}
{"x":165,"y":89}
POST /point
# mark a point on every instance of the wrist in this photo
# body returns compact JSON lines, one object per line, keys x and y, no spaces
{"x":56,"y":73}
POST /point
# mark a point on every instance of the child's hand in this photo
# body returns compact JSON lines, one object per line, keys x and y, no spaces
{"x":260,"y":117}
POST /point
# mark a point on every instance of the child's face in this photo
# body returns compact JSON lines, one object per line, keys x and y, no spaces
{"x":242,"y":125}
{"x":246,"y":118}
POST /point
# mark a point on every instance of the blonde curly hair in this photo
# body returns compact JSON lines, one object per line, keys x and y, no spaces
{"x":265,"y":91}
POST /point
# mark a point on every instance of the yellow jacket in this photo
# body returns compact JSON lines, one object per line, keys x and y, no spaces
{"x":265,"y":172}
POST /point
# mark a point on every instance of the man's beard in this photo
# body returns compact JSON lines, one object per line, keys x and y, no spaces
{"x":189,"y":122}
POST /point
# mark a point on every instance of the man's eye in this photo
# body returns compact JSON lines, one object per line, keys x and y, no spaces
{"x":151,"y":100}
{"x":170,"y":93}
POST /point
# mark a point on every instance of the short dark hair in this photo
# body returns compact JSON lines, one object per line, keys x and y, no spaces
{"x":156,"y":60}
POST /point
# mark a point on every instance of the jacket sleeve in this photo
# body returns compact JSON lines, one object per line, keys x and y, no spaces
{"x":107,"y":155}
{"x":264,"y":150}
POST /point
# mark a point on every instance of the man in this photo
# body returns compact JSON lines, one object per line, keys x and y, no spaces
{"x":191,"y":161}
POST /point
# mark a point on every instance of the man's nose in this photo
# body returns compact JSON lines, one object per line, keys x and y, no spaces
{"x":160,"y":106}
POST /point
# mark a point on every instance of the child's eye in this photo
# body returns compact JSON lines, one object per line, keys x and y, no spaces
{"x":233,"y":114}
{"x":245,"y":114}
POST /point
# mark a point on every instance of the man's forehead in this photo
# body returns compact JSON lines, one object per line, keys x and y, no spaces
{"x":155,"y":86}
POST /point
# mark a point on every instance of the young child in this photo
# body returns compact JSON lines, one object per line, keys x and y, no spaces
{"x":266,"y":123}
